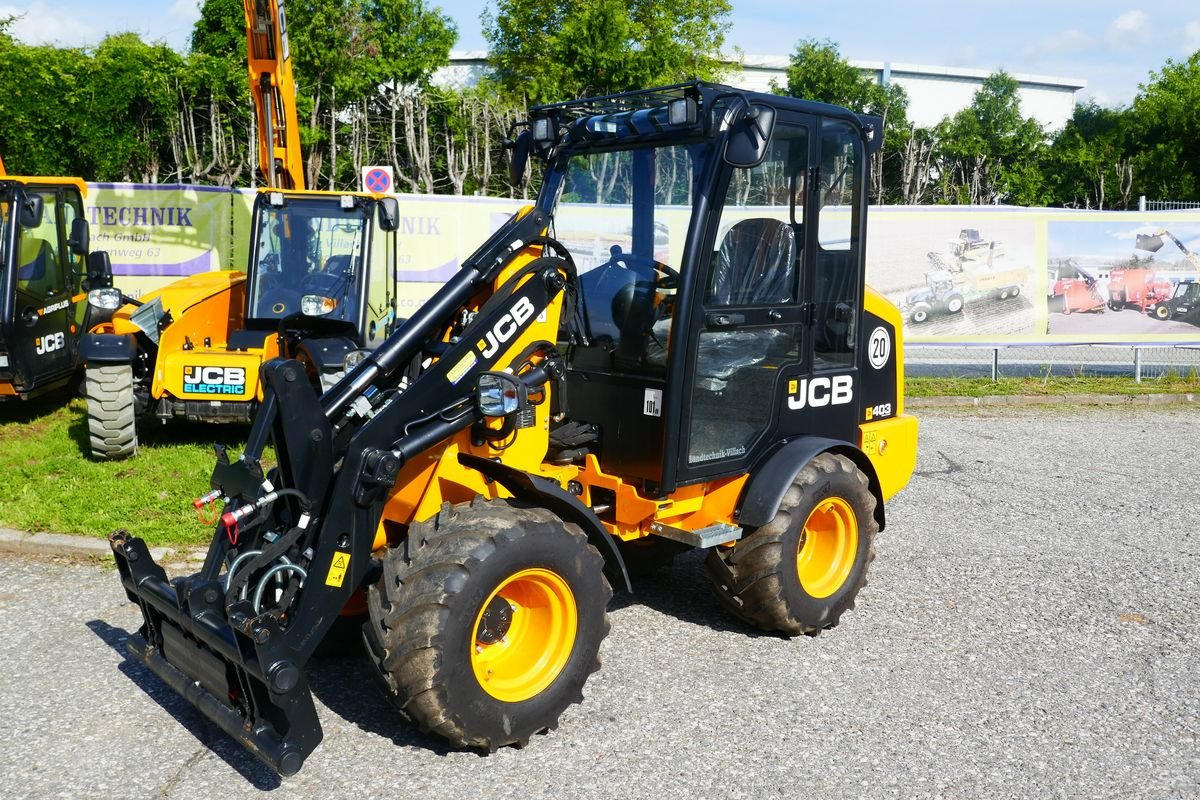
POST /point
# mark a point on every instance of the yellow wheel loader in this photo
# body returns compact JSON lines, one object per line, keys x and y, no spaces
{"x":468,"y":492}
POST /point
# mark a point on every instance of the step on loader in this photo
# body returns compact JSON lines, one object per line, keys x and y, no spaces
{"x":567,"y":404}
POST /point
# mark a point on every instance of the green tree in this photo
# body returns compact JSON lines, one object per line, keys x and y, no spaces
{"x":550,"y":50}
{"x":988,"y":152}
{"x":1089,"y":164}
{"x":410,"y":41}
{"x":817,"y":71}
{"x":214,"y":142}
{"x":41,"y":109}
{"x":130,"y":93}
{"x":1166,"y":124}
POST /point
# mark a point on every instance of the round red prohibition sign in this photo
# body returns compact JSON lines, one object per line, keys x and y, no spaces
{"x":378,"y":181}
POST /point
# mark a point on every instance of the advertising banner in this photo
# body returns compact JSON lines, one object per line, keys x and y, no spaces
{"x":984,"y":275}
{"x":960,"y":274}
{"x":157,"y":233}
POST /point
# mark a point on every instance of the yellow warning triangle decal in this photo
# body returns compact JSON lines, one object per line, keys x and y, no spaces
{"x":340,"y":561}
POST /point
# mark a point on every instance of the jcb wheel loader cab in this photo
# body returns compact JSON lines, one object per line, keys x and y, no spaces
{"x":43,"y":254}
{"x":674,"y":347}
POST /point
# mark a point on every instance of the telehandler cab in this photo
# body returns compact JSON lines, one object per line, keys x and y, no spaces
{"x":476,"y":481}
{"x":45,"y":271}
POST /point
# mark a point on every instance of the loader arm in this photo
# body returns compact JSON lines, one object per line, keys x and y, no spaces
{"x":312,"y":520}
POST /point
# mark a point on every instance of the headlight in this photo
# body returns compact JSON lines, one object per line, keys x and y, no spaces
{"x":315,"y":305}
{"x":354,"y":358}
{"x":107,"y":299}
{"x":499,"y":394}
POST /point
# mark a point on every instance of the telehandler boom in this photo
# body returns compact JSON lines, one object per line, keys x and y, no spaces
{"x":567,"y":400}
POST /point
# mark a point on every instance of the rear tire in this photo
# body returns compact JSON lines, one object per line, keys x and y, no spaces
{"x":802,"y":570}
{"x":487,"y":622}
{"x":1162,"y":312}
{"x":112,"y":413}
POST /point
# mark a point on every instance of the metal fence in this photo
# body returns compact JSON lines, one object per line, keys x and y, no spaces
{"x":1165,"y":205}
{"x":1140,"y":361}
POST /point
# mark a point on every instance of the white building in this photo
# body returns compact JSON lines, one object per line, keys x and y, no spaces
{"x":933,"y":92}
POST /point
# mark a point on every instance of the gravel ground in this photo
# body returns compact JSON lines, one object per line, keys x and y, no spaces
{"x":1030,"y":629}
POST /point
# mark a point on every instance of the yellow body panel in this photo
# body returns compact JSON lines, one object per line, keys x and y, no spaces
{"x":78,"y":183}
{"x":891,"y":444}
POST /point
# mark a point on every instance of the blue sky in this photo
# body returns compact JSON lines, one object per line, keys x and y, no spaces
{"x":1111,"y":45}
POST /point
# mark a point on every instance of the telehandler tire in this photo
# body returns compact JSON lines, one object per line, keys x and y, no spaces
{"x":802,"y":570}
{"x":112,"y":414}
{"x":487,"y":622}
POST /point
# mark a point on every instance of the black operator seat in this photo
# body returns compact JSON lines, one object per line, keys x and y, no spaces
{"x":755,"y":266}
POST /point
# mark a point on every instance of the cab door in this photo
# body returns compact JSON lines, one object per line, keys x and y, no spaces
{"x":773,"y":352}
{"x":44,"y":319}
{"x":751,"y":328}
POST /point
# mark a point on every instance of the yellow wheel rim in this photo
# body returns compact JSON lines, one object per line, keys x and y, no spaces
{"x":828,"y":546}
{"x":524,"y":634}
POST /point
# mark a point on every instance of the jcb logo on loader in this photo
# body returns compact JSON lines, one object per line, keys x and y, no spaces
{"x":214,"y":380}
{"x":49,"y":343}
{"x":505,"y":328}
{"x":818,"y":392}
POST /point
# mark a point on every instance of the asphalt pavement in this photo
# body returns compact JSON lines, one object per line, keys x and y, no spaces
{"x":1031,"y":629}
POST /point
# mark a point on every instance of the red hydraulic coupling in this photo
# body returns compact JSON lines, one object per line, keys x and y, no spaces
{"x":202,"y":502}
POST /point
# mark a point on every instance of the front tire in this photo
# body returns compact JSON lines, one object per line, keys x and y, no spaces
{"x":802,"y":570}
{"x":486,"y":624}
{"x":112,"y":411}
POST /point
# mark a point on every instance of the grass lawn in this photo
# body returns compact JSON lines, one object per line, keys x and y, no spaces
{"x":1049,"y":386}
{"x":52,"y":484}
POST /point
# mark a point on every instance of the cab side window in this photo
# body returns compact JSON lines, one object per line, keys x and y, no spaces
{"x":39,"y":254}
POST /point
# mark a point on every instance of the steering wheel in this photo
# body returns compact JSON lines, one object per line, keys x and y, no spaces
{"x":279,"y":302}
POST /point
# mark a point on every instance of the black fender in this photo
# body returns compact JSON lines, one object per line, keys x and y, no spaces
{"x":326,"y":354}
{"x":108,"y":348}
{"x":769,"y":481}
{"x":547,"y":494}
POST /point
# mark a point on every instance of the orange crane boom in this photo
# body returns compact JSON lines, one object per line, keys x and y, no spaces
{"x":274,"y":93}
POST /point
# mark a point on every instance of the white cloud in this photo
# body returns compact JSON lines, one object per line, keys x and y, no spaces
{"x":1191,"y":36}
{"x":38,"y":23}
{"x":1069,"y":41}
{"x":185,"y":10}
{"x":1130,"y":31}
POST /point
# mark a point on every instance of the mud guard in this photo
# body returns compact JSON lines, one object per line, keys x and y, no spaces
{"x":549,"y":495}
{"x":770,"y":480}
{"x":107,"y":348}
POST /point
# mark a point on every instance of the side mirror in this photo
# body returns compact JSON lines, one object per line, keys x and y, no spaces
{"x":389,"y":214}
{"x":79,"y":239}
{"x":749,"y":136}
{"x":518,"y":160}
{"x":99,"y":270}
{"x":31,"y":210}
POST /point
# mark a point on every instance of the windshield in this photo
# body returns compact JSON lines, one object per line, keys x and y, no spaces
{"x":1185,"y":289}
{"x":309,"y":247}
{"x":624,"y":216}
